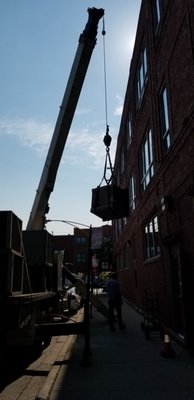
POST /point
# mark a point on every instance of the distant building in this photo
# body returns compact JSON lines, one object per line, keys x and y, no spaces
{"x":154,"y":246}
{"x":66,"y":243}
{"x":76,"y":249}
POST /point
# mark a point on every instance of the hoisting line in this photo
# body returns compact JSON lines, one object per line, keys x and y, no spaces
{"x":105,"y":81}
{"x":107,"y":138}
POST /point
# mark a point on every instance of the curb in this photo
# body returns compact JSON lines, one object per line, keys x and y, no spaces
{"x":64,"y":355}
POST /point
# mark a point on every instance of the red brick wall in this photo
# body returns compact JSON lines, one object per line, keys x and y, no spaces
{"x":170,"y":60}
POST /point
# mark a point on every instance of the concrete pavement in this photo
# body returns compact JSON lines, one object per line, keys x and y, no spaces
{"x":124,"y":365}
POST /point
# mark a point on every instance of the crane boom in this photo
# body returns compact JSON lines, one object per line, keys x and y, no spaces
{"x":77,"y":75}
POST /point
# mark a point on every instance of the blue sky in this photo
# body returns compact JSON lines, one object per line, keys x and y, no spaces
{"x":38,"y":42}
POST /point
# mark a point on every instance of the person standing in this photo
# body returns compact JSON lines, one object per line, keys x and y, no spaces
{"x":114,"y":301}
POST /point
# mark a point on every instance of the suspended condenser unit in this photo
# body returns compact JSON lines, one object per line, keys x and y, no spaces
{"x":110,"y":201}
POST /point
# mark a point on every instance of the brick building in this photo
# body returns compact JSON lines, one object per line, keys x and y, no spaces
{"x":154,"y":246}
{"x":66,"y":243}
{"x":76,"y":249}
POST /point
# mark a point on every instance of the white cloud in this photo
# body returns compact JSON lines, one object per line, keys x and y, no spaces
{"x":83,"y":146}
{"x":87,"y":147}
{"x":82,"y":111}
{"x":119,"y":107}
{"x":30,"y":132}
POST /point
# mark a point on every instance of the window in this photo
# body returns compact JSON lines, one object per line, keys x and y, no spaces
{"x":164,"y":116}
{"x":129,"y":131}
{"x":151,"y":238}
{"x":80,"y":240}
{"x":157,"y":13}
{"x":119,"y":226}
{"x":81,"y":257}
{"x":132,"y":194}
{"x":146,"y":161}
{"x":106,"y":239}
{"x":141,"y":77}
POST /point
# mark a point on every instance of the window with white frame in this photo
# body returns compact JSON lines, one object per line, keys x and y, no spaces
{"x":141,"y":77}
{"x":129,"y":131}
{"x":157,"y":13}
{"x":119,"y":225}
{"x":124,"y":221}
{"x":146,"y":160}
{"x":151,"y":238}
{"x":132,"y":194}
{"x":164,"y":116}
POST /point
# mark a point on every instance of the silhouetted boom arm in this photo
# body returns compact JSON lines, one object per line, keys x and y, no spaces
{"x":85,"y":48}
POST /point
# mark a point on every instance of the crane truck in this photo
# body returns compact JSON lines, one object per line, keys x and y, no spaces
{"x":30,"y":273}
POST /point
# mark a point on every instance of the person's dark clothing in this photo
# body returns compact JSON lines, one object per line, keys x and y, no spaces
{"x":114,"y":302}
